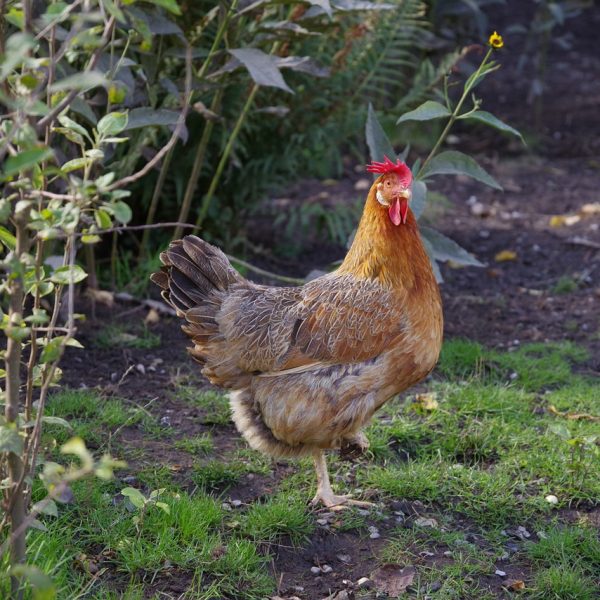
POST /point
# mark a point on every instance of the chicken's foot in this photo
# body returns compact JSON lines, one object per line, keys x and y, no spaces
{"x":325,"y":494}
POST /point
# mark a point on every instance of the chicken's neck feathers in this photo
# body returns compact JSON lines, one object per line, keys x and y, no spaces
{"x":392,"y":254}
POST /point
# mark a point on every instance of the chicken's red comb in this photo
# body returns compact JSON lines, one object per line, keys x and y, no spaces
{"x":387,"y":166}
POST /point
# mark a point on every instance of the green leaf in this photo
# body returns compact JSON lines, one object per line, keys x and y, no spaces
{"x":10,"y":440}
{"x":377,"y":140}
{"x":45,"y":507}
{"x":324,"y":4}
{"x":121,"y":211}
{"x":145,"y":117}
{"x":434,"y":266}
{"x":170,"y":5}
{"x":103,"y":219}
{"x":43,"y":588}
{"x":561,"y":430}
{"x":5,"y":208}
{"x":67,"y":274}
{"x":262,"y":67}
{"x":16,"y":49}
{"x":453,"y":162}
{"x":74,"y":164}
{"x":164,"y":507}
{"x":26,"y":159}
{"x":419,"y":195}
{"x":426,"y":112}
{"x":112,"y":123}
{"x":446,"y":249}
{"x":489,"y":119}
{"x":68,"y":123}
{"x":135,"y":496}
{"x":51,"y":351}
{"x":77,"y":447}
{"x":7,"y":238}
{"x":79,"y":81}
{"x":56,"y":421}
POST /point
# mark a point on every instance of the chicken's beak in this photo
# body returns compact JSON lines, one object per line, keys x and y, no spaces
{"x":398,"y":210}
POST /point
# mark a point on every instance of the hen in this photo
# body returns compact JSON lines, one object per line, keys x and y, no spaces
{"x":308,"y":366}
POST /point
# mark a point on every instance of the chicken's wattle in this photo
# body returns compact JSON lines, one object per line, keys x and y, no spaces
{"x":398,"y":211}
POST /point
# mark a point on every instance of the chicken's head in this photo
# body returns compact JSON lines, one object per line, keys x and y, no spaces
{"x":393,"y":188}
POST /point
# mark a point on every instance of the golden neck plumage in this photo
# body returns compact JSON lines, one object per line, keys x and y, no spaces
{"x":393,"y":254}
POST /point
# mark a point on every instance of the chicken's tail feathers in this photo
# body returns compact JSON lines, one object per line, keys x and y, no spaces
{"x":192,"y":271}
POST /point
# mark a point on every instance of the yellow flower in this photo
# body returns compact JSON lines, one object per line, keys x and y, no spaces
{"x":495,"y":40}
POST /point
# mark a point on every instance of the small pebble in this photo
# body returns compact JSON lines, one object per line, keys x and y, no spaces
{"x":140,"y":368}
{"x":344,"y":557}
{"x":500,"y":573}
{"x":315,"y":570}
{"x":226,"y":506}
{"x":322,"y":522}
{"x":447,"y":553}
{"x":166,"y":421}
{"x":236,"y":503}
{"x":551,"y":499}
{"x":522,"y":532}
{"x":426,"y":553}
{"x":326,"y":569}
{"x":363,"y":582}
{"x":363,"y":512}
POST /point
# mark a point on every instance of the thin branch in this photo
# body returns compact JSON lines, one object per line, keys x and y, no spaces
{"x":49,"y":118}
{"x":259,"y":271}
{"x":59,"y":18}
{"x":176,"y":132}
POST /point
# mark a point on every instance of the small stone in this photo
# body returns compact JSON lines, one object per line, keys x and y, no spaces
{"x":236,"y":503}
{"x":551,"y":499}
{"x":362,"y":185}
{"x":522,"y":532}
{"x":326,"y":569}
{"x":500,"y":573}
{"x":375,"y":535}
{"x":345,"y":558}
{"x":363,"y":512}
{"x":315,"y":570}
{"x":448,"y":553}
{"x":363,"y":582}
{"x":165,"y":421}
{"x":426,"y":554}
{"x":425,"y":522}
{"x":323,"y":522}
{"x":140,"y":368}
{"x":297,"y":588}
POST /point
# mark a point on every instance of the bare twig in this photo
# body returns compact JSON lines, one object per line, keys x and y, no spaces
{"x":61,"y":17}
{"x":49,"y":118}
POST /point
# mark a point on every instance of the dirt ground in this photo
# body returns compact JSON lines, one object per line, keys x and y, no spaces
{"x":548,"y":290}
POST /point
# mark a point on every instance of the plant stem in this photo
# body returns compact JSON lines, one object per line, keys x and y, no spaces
{"x":455,"y":112}
{"x":225,"y":157}
{"x":14,"y":349}
{"x":197,"y":167}
{"x":160,"y":182}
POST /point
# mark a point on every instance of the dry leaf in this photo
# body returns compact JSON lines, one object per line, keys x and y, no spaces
{"x":515,"y":585}
{"x":392,"y":579}
{"x":101,"y":296}
{"x":152,"y":318}
{"x":560,"y":220}
{"x":505,"y":255}
{"x":592,"y":208}
{"x":573,"y":416}
{"x":426,"y":401}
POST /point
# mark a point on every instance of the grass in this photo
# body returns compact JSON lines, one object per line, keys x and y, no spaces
{"x":123,"y":336}
{"x":481,"y":463}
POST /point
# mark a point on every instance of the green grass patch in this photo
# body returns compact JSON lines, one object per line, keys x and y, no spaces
{"x":124,"y":336}
{"x":197,"y":444}
{"x":214,"y":405}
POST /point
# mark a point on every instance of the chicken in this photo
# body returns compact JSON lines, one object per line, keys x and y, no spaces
{"x":308,"y":366}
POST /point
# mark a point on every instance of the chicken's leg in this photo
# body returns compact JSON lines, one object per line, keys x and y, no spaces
{"x":325,"y":494}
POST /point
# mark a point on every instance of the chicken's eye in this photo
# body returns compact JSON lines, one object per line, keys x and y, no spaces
{"x":388,"y":183}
